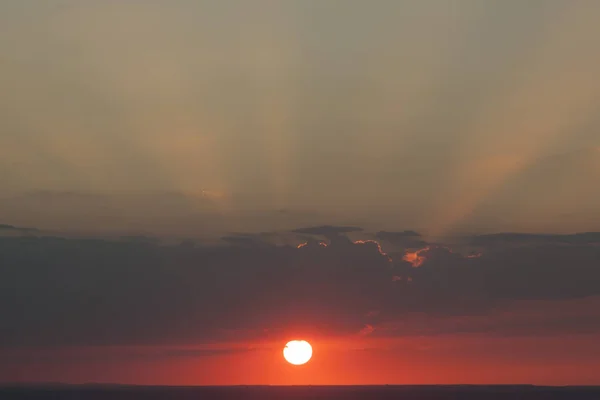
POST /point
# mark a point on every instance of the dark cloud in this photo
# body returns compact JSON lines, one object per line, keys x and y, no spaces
{"x":6,"y":227}
{"x":246,"y":240}
{"x":200,"y":352}
{"x":533,"y":238}
{"x":140,"y":239}
{"x":525,"y":318}
{"x":173,"y":213}
{"x":52,"y":355}
{"x":327,"y":231}
{"x":406,"y":239}
{"x":72,"y":291}
{"x":401,"y":234}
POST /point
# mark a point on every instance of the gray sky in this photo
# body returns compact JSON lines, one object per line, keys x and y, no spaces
{"x":433,"y":115}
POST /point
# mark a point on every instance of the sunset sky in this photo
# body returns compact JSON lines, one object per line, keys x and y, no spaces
{"x":411,"y":186}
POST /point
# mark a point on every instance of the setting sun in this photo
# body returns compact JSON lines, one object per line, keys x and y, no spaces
{"x":297,"y":352}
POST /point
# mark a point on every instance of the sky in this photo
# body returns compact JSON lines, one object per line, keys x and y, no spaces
{"x":409,"y":185}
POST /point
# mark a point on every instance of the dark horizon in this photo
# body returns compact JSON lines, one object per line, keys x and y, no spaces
{"x":434,"y":392}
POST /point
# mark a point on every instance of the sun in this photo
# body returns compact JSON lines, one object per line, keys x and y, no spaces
{"x":297,"y":352}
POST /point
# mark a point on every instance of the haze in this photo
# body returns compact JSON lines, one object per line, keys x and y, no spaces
{"x":412,"y":186}
{"x":440,"y":116}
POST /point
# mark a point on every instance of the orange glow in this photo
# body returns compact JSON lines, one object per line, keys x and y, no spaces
{"x":378,"y":247}
{"x":367,"y":330}
{"x":301,"y":245}
{"x":415,"y":258}
{"x":360,"y":359}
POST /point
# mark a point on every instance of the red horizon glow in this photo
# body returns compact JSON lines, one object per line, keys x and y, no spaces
{"x":449,"y":359}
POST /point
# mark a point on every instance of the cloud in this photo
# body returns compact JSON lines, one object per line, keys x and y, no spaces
{"x":155,"y":212}
{"x":140,"y":239}
{"x":405,"y":239}
{"x":577,"y":316}
{"x":84,"y":292}
{"x":327,"y":230}
{"x":107,"y":353}
{"x":416,"y":258}
{"x":246,"y":240}
{"x":367,"y":330}
{"x":534,"y":238}
{"x":12,"y":228}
